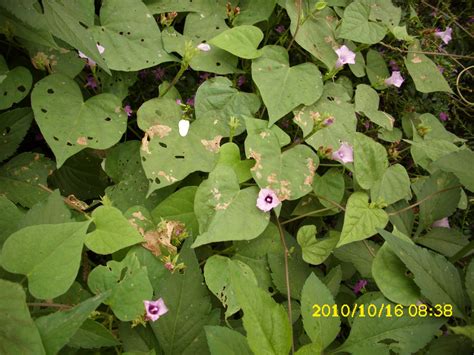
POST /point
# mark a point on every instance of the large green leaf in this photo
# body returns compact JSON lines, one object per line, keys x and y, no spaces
{"x":376,"y":69}
{"x":361,"y":219}
{"x":360,"y":254}
{"x":112,"y":231}
{"x":390,"y":275}
{"x":316,"y":33}
{"x":92,"y":335}
{"x":283,"y":87}
{"x":367,"y":102}
{"x":130,"y":36}
{"x":57,"y":328}
{"x":241,"y":41}
{"x":265,"y":321}
{"x":393,"y":186}
{"x":370,"y":160}
{"x":229,"y":155}
{"x":445,"y":241}
{"x":166,"y":156}
{"x":49,"y":255}
{"x":13,"y":127}
{"x":221,"y":206}
{"x":21,"y":177}
{"x":315,"y":251}
{"x":129,"y":285}
{"x":217,"y":275}
{"x":223,"y":340}
{"x":403,"y":334}
{"x":53,"y":210}
{"x":459,"y":164}
{"x":290,"y":174}
{"x":18,"y":332}
{"x":330,"y":187}
{"x":321,"y":330}
{"x":436,"y":277}
{"x":424,"y":72}
{"x":181,"y":330}
{"x":63,"y":22}
{"x":69,"y":124}
{"x":254,"y":11}
{"x":15,"y":84}
{"x":358,"y":26}
{"x":217,"y":101}
{"x":9,"y":219}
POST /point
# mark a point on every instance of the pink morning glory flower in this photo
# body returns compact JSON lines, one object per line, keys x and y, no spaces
{"x":267,"y":199}
{"x":90,"y":62}
{"x":128,"y":110}
{"x":91,"y":83}
{"x":359,"y":286}
{"x":444,"y":35}
{"x":344,"y":154}
{"x":441,"y":223}
{"x":183,"y":127}
{"x":280,"y":29}
{"x":204,"y":47}
{"x":155,"y":309}
{"x":443,"y":116}
{"x":395,"y":79}
{"x":241,"y":81}
{"x":344,"y":56}
{"x":190,"y":101}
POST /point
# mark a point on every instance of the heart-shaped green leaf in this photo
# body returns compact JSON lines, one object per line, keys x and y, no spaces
{"x":221,"y":206}
{"x":166,"y":156}
{"x":69,"y":124}
{"x":283,"y":87}
{"x":15,"y":84}
{"x":113,"y":232}
{"x":13,"y":127}
{"x":357,"y":26}
{"x":48,"y":254}
{"x":315,"y":251}
{"x":370,"y":160}
{"x":241,"y":41}
{"x":361,"y":220}
{"x":130,"y":36}
{"x":290,"y":174}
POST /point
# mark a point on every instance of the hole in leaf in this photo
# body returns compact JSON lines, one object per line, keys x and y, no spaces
{"x":270,"y":289}
{"x":163,"y":145}
{"x":83,"y":25}
{"x":44,"y":110}
{"x":128,"y":33}
{"x":90,"y":138}
{"x":142,"y":40}
{"x":55,"y":138}
{"x":69,"y":144}
{"x":157,"y":181}
{"x":6,"y":131}
{"x":218,"y":28}
{"x":21,"y":88}
{"x":5,"y":93}
{"x":121,"y":33}
{"x":218,"y":64}
{"x":108,"y":119}
{"x":179,"y":156}
{"x":143,"y":159}
{"x":50,"y":91}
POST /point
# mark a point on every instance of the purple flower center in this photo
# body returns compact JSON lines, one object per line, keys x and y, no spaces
{"x":268,"y":199}
{"x":341,"y":154}
{"x":153,"y":309}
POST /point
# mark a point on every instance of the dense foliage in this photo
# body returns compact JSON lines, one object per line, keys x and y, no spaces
{"x":253,"y":176}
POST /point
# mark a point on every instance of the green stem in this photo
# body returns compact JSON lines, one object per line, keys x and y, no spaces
{"x":175,"y":79}
{"x":305,"y":215}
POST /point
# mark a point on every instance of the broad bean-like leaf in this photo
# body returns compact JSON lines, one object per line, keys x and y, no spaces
{"x":436,"y":277}
{"x":316,"y":33}
{"x":129,"y":285}
{"x":18,"y":332}
{"x":330,"y":188}
{"x":389,"y":273}
{"x":229,"y":155}
{"x":393,"y":186}
{"x":406,"y":333}
{"x":290,"y":174}
{"x":377,"y":70}
{"x":360,"y":254}
{"x":321,"y":330}
{"x":69,"y":124}
{"x":221,"y":206}
{"x":92,"y":335}
{"x":13,"y":127}
{"x":9,"y":220}
{"x":112,"y":231}
{"x":445,"y":241}
{"x":53,"y":210}
{"x":367,"y":102}
{"x":254,"y":11}
{"x":242,"y":41}
{"x":222,"y":340}
{"x":315,"y":251}
{"x":361,"y":220}
{"x":370,"y":160}
{"x":49,"y":255}
{"x":15,"y":84}
{"x":130,"y":36}
{"x":265,"y":321}
{"x":424,"y":72}
{"x":181,"y":330}
{"x":459,"y":164}
{"x":284,"y":87}
{"x":217,"y":275}
{"x":57,"y":328}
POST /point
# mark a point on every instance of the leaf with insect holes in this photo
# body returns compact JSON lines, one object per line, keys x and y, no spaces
{"x":15,"y":84}
{"x":69,"y":124}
